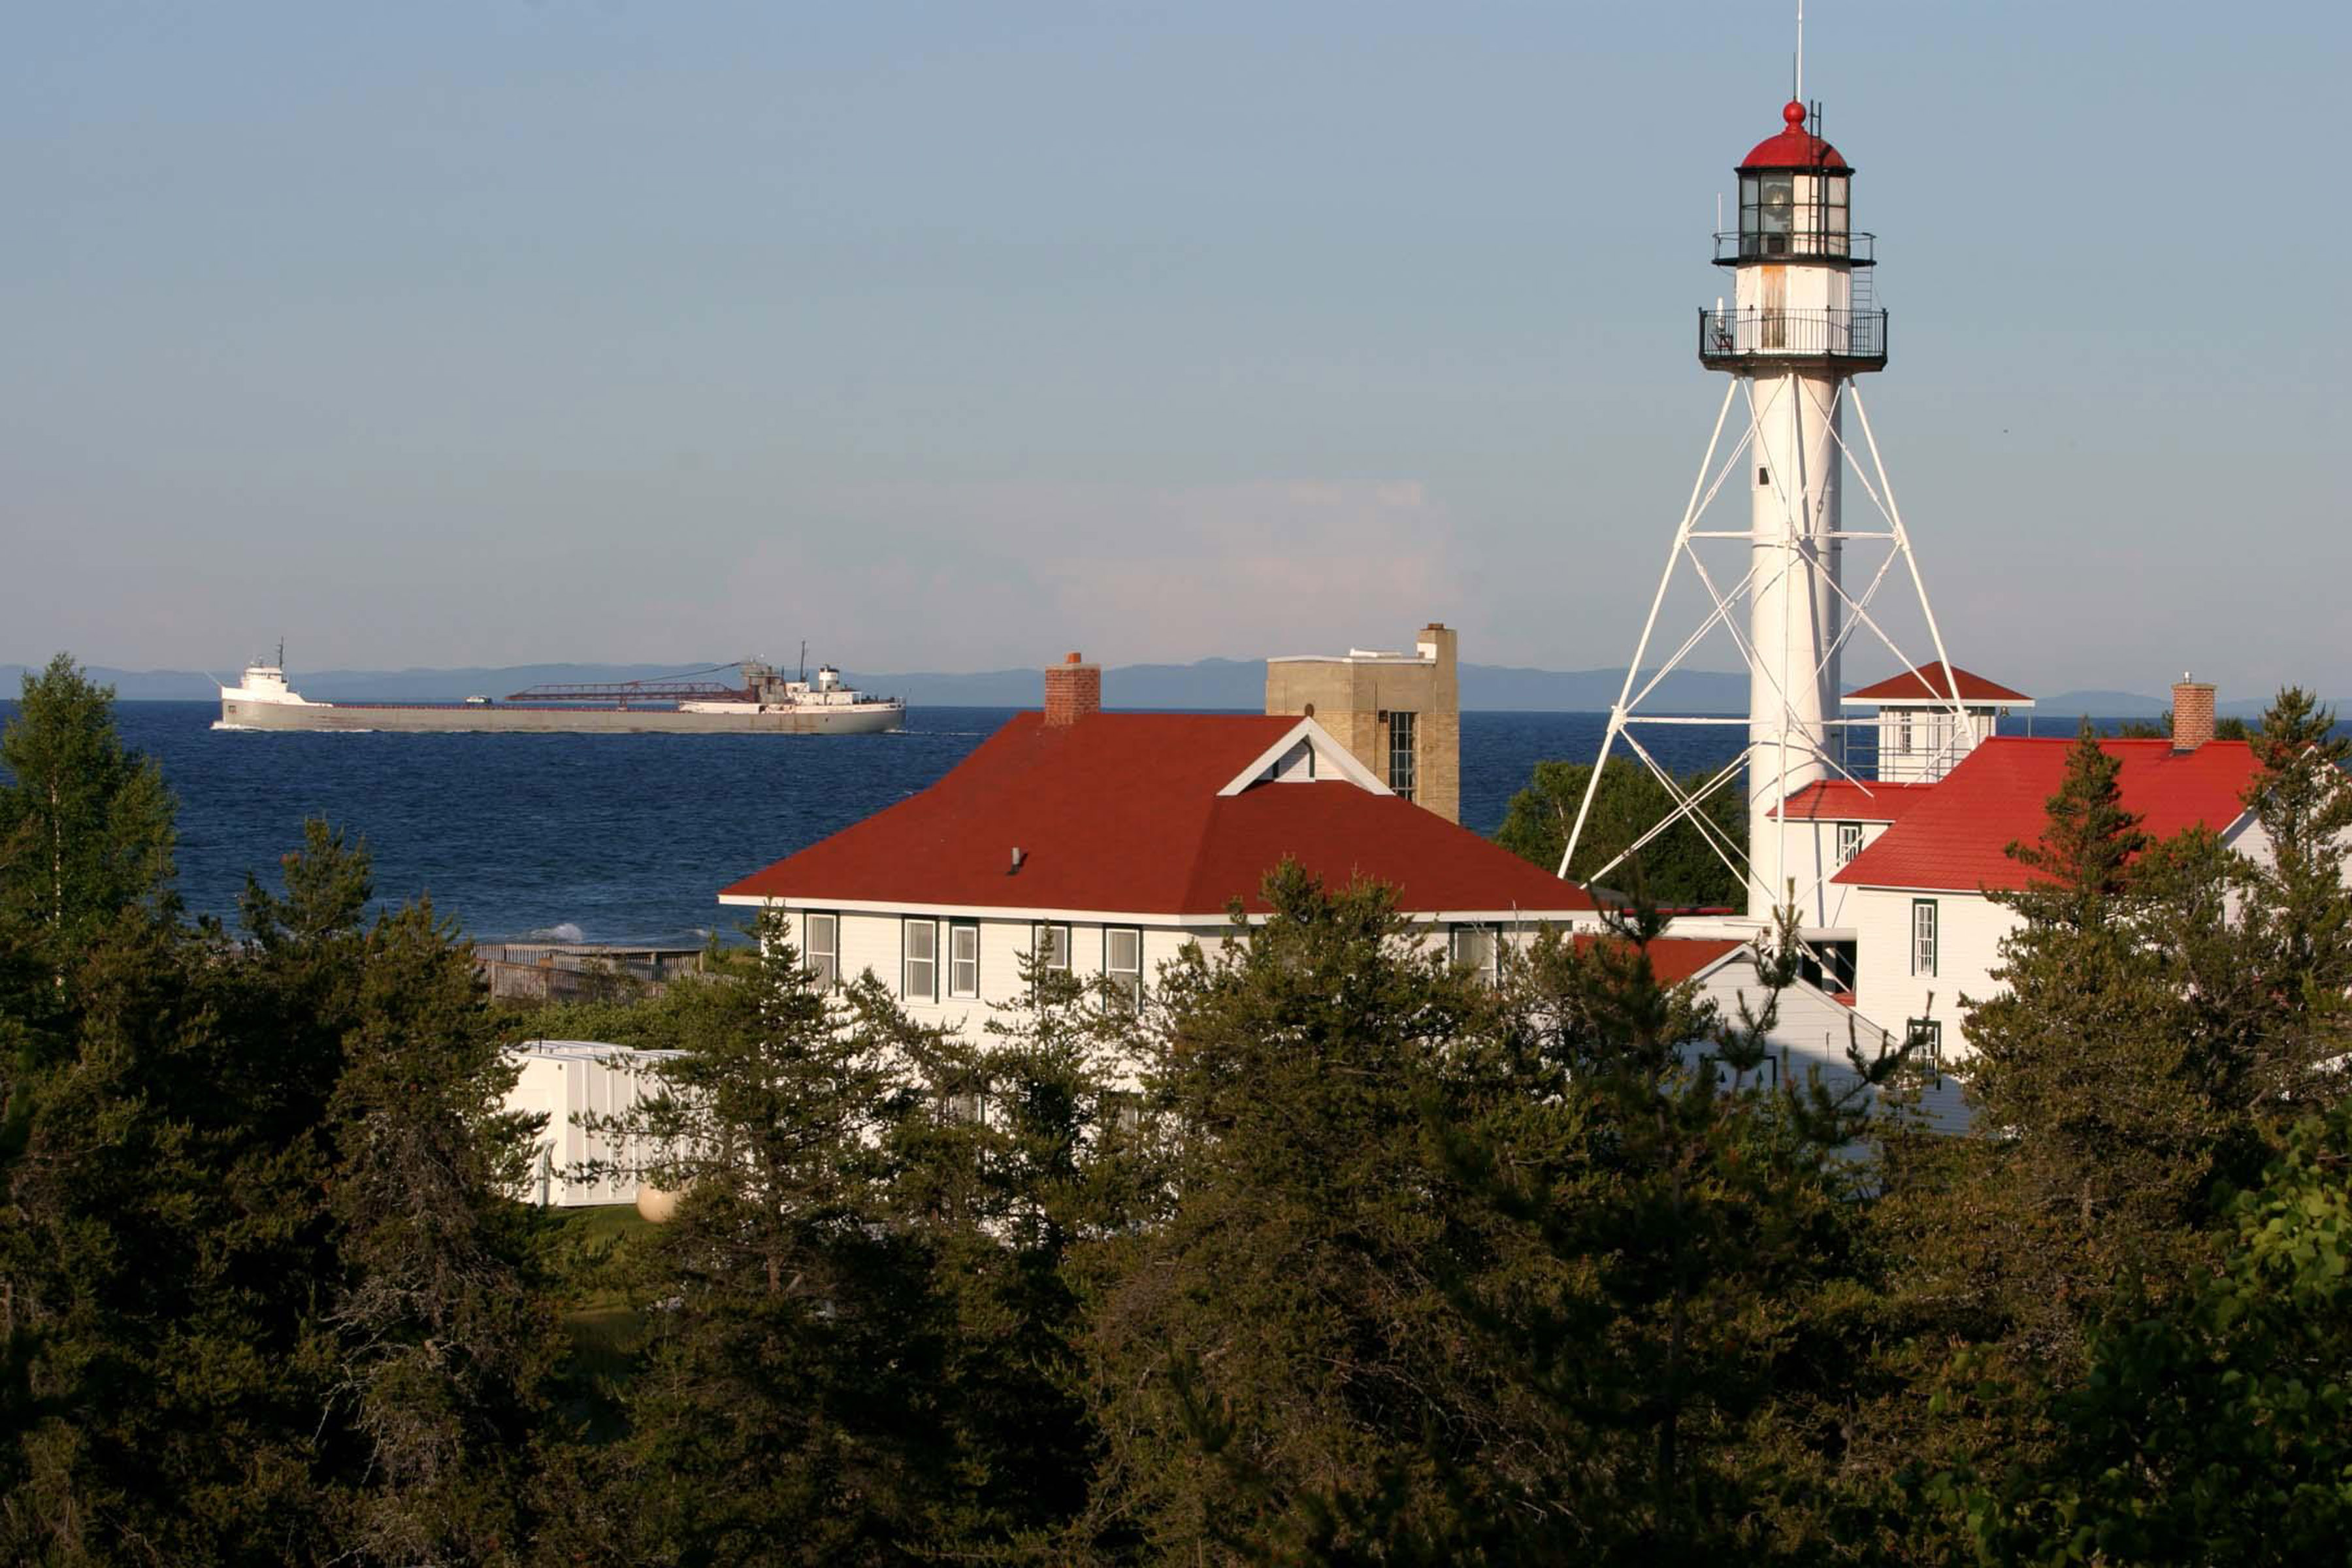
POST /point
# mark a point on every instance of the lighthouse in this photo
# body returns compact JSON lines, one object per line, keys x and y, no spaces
{"x":1801,"y":324}
{"x":1792,"y":339}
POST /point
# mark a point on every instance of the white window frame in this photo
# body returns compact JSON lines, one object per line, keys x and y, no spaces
{"x":822,"y":960}
{"x":958,"y":933}
{"x":1925,"y":921}
{"x":1849,"y":842}
{"x":1929,"y":1032}
{"x":1489,"y":967}
{"x":1129,"y":980}
{"x":1042,"y":945}
{"x":907,"y":960}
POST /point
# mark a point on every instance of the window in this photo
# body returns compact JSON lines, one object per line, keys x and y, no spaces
{"x":1123,"y":963}
{"x":1849,"y":842}
{"x":1051,"y":943}
{"x":920,"y":979}
{"x":1928,"y":1034}
{"x":1401,"y":758}
{"x":820,"y":948}
{"x":963,"y":959}
{"x":1923,"y":936}
{"x":966,"y":1103}
{"x":1475,"y":949}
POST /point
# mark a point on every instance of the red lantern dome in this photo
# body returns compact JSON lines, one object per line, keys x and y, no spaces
{"x":1794,"y":148}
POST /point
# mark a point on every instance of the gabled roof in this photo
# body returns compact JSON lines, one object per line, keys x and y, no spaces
{"x":1121,"y":812}
{"x":1927,"y":685}
{"x":1954,"y":838}
{"x":1674,"y":959}
{"x":1843,"y":800}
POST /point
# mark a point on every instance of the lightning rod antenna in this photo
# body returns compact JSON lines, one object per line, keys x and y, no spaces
{"x":1800,"y":95}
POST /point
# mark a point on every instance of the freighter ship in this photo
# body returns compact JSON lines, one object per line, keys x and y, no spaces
{"x":765,"y":704}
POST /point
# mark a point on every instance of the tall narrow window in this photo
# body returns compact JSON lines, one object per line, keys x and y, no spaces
{"x":1928,"y":1034}
{"x":1053,"y":948}
{"x":963,"y":959}
{"x":920,"y":982}
{"x":1849,"y":842}
{"x":820,"y":948}
{"x":1402,"y":774}
{"x":1123,"y":963}
{"x":1475,"y":949}
{"x":1923,"y":936}
{"x":1903,"y":734}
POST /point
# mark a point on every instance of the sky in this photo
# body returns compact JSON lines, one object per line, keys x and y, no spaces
{"x":957,"y":336}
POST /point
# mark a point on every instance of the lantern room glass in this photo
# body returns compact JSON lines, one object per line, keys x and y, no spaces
{"x":1786,"y":212}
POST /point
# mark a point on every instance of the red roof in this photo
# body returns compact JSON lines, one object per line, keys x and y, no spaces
{"x":1928,"y":685}
{"x":1955,"y":837}
{"x":1674,"y":959}
{"x":1843,"y":800}
{"x":1119,"y":813}
{"x":1794,"y":148}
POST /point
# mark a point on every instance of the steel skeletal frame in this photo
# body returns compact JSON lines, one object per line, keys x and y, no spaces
{"x":1788,"y":736}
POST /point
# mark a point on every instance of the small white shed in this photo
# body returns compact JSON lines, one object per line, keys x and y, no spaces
{"x":561,"y":1079}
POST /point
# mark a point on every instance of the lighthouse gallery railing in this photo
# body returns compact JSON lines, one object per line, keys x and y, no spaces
{"x":1793,"y":334}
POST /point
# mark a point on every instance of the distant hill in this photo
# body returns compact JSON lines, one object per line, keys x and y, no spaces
{"x":2071,"y":705}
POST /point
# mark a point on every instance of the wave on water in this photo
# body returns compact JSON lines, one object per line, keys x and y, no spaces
{"x":563,"y":932}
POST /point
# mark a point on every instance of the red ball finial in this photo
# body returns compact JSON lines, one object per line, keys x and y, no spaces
{"x":1794,"y":114}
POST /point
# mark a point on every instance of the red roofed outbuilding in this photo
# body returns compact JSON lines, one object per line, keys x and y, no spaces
{"x":1928,"y":933}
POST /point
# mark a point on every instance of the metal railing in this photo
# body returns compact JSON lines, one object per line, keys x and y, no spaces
{"x":1805,"y":244}
{"x":1736,"y":334}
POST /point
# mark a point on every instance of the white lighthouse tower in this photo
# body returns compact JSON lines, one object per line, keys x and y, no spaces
{"x":1802,"y":324}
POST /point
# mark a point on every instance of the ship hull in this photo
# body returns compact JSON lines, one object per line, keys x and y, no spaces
{"x":844,"y":719}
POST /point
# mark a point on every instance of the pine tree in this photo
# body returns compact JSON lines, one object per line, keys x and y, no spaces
{"x":2297,"y":935}
{"x":1681,"y":867}
{"x":780,"y":1414}
{"x":443,"y":1335}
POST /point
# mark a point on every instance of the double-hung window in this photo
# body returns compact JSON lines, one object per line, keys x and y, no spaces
{"x":1123,"y":963}
{"x":1923,"y":936}
{"x":1475,"y":949}
{"x":1849,"y":841}
{"x":1051,"y":943}
{"x":920,"y":972}
{"x":820,"y":948}
{"x":963,"y":959}
{"x":1928,"y":1034}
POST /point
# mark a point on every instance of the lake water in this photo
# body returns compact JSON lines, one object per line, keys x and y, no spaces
{"x":628,"y":838}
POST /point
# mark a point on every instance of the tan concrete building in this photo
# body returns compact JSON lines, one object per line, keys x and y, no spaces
{"x":1399,"y":714}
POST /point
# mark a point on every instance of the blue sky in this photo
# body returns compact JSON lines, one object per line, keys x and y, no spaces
{"x":956,"y":336}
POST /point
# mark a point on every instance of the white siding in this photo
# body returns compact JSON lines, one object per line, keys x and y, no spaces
{"x":562,"y":1079}
{"x":1812,"y":1032}
{"x":1970,"y":927}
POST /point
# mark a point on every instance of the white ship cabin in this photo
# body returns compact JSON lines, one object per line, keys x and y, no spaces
{"x":264,"y":681}
{"x":1918,"y":738}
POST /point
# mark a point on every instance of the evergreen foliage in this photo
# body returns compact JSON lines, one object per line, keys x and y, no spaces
{"x":1678,"y":868}
{"x":1334,"y":1253}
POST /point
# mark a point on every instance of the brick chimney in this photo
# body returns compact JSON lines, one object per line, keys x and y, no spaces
{"x":1074,"y":690}
{"x":2193,"y":713}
